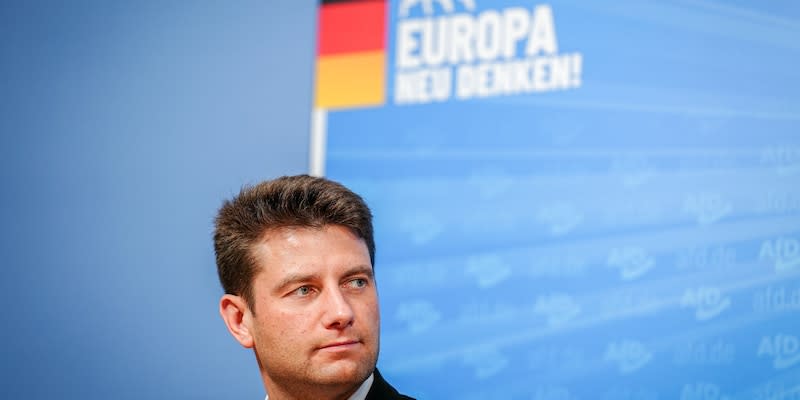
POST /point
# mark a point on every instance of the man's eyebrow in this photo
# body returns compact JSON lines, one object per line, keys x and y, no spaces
{"x":360,"y":269}
{"x":294,"y":279}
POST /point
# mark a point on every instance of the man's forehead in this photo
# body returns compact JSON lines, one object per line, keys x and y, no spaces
{"x":291,"y":232}
{"x":293,"y":249}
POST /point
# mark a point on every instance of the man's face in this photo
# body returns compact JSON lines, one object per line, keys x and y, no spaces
{"x":315,"y":318}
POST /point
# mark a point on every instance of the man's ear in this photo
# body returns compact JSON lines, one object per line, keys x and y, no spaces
{"x":238,"y":319}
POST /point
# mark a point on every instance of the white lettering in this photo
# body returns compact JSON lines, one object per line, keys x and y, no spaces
{"x":543,"y":32}
{"x":407,"y":43}
{"x":491,"y":53}
{"x":515,"y":25}
{"x":434,"y":50}
{"x":488,"y":41}
{"x":423,"y":86}
{"x":508,"y":78}
{"x":490,"y":35}
{"x":461,"y":39}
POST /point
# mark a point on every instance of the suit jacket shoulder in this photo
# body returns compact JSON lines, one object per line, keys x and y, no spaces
{"x":382,"y":390}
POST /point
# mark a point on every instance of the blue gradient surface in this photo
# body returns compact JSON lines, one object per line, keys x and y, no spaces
{"x":124,"y":125}
{"x":636,"y":237}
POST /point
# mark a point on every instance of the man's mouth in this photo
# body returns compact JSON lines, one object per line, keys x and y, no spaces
{"x":340,"y":345}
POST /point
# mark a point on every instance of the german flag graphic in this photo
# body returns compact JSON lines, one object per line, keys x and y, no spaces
{"x":351,"y":54}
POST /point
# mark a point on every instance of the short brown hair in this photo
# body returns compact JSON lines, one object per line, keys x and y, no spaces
{"x":288,"y":201}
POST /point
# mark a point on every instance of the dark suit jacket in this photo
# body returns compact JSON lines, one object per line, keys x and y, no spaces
{"x":382,"y":390}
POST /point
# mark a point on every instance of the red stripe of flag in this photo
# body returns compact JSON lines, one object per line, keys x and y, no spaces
{"x":351,"y":26}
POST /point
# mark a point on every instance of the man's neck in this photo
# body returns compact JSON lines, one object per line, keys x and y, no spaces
{"x":277,"y":392}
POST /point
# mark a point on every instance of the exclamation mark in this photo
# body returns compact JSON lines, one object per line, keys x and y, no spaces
{"x":576,"y":70}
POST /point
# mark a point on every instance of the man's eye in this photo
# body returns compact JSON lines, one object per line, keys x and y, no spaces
{"x":302,"y":291}
{"x":358,"y":283}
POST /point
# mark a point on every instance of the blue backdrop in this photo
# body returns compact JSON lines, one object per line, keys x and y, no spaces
{"x":124,"y":125}
{"x":633,"y":236}
{"x":629,"y":230}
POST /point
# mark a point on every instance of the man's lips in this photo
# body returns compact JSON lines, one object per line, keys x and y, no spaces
{"x":339,"y":344}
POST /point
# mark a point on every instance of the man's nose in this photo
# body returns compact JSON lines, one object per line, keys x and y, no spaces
{"x":338,"y":314}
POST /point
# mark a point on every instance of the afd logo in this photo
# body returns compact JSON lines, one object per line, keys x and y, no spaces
{"x":785,"y":160}
{"x":491,"y":183}
{"x":558,"y":309}
{"x":633,"y":170}
{"x":702,"y":391}
{"x":706,"y":208}
{"x":784,"y":350}
{"x":777,"y":298}
{"x":707,"y":301}
{"x":628,"y":355}
{"x":632,"y":262}
{"x":422,"y":228}
{"x":784,"y":252}
{"x":561,"y":218}
{"x":777,"y":391}
{"x":488,"y":270}
{"x":707,"y":258}
{"x":419,"y":316}
{"x":427,"y":6}
{"x":485,"y":362}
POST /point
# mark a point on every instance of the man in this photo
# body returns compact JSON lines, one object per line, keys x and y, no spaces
{"x":295,"y":256}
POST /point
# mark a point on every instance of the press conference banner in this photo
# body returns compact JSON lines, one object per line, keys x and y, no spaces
{"x":573,"y":199}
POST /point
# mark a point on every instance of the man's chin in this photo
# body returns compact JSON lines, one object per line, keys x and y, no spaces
{"x":343,"y":372}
